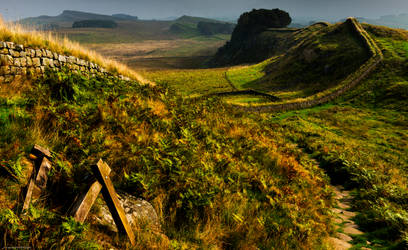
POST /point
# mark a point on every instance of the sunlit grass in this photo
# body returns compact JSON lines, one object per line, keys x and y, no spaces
{"x":192,"y":82}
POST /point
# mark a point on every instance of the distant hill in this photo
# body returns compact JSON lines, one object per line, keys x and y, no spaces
{"x":125,"y":17}
{"x":66,"y":18}
{"x":95,"y":24}
{"x":393,"y":21}
{"x":129,"y":28}
{"x":195,"y":20}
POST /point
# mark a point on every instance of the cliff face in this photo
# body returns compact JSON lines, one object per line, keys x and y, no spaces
{"x":253,"y":40}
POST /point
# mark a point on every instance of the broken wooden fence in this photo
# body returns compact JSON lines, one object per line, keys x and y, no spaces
{"x":83,"y":204}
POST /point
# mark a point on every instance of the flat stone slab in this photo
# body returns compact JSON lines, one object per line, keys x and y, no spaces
{"x":137,"y":210}
{"x":338,"y":244}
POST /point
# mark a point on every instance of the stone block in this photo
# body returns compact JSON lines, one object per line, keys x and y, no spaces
{"x":19,"y":47}
{"x":4,"y":70}
{"x":36,"y":62}
{"x":62,"y":58}
{"x":49,"y":54}
{"x":45,"y":61}
{"x":9,"y":78}
{"x":4,"y":51}
{"x":71,"y":59}
{"x":31,"y":52}
{"x":18,"y":70}
{"x":23,"y":61}
{"x":29,"y":62}
{"x":14,"y":53}
{"x":6,"y":60}
{"x":17,"y":62}
{"x":51,"y":65}
{"x":38,"y":53}
{"x":10,"y":45}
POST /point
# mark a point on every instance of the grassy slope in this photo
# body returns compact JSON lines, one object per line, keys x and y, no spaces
{"x":360,"y":140}
{"x":214,"y":175}
{"x":19,"y":35}
{"x":192,"y":82}
{"x":319,"y":63}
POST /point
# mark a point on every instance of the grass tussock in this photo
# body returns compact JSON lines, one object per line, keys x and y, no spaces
{"x":12,"y":32}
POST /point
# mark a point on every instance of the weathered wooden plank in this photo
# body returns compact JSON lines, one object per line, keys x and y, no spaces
{"x":41,"y":152}
{"x":84,"y":203}
{"x":32,"y":190}
{"x":42,"y":178}
{"x":101,"y":172}
{"x":39,"y":178}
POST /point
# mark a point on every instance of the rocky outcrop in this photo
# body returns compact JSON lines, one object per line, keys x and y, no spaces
{"x":17,"y":60}
{"x":250,"y":42}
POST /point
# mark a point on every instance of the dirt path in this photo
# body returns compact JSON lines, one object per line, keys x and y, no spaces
{"x":345,"y":227}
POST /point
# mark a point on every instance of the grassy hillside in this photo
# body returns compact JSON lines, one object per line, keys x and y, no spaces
{"x":360,"y":140}
{"x":216,"y":181}
{"x":218,"y":177}
{"x":129,"y":29}
{"x":318,"y":63}
{"x":19,"y":35}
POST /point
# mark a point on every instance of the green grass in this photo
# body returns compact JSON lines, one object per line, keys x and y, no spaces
{"x":192,"y":82}
{"x":360,"y":140}
{"x":214,"y":175}
{"x":219,"y":178}
{"x":240,"y":76}
{"x":245,"y":99}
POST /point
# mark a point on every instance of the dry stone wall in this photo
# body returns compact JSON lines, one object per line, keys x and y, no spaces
{"x":350,"y":82}
{"x":17,"y":60}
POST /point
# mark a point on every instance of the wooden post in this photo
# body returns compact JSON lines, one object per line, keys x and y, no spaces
{"x":39,"y":178}
{"x":101,"y":171}
{"x":85,"y":202}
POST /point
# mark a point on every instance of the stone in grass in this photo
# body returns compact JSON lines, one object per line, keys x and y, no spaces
{"x":137,"y":211}
{"x":6,"y":60}
{"x":19,"y":47}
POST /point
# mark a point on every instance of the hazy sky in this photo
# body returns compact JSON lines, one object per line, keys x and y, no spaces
{"x":328,"y":9}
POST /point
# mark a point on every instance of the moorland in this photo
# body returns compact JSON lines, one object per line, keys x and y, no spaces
{"x":220,"y":172}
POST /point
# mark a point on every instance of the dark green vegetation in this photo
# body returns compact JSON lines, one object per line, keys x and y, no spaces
{"x":95,"y":24}
{"x":217,"y":177}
